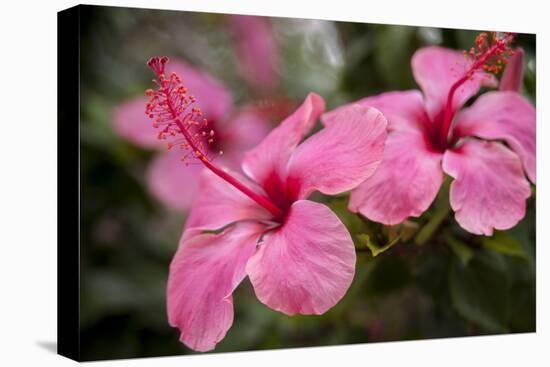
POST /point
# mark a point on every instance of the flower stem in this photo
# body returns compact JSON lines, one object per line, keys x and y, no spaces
{"x":443,"y":208}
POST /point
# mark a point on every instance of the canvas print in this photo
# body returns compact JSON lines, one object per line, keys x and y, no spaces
{"x":254,"y":183}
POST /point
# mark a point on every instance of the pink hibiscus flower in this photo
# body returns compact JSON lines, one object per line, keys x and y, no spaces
{"x":235,"y":131}
{"x":431,"y":135}
{"x":298,"y":255}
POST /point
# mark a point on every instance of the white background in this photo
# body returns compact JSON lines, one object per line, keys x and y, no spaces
{"x":28,"y":184}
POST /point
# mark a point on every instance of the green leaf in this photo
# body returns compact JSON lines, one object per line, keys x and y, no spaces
{"x":351,"y":220}
{"x":375,"y":249}
{"x":388,"y":274}
{"x":393,"y":45}
{"x":480,"y":291}
{"x":462,"y":250}
{"x":505,"y":244}
{"x":442,"y":209}
{"x":403,"y":231}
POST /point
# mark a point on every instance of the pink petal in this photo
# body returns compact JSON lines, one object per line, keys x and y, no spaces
{"x":271,"y":156}
{"x":342,"y":155}
{"x":245,"y":130}
{"x":131,"y":123}
{"x":203,"y":274}
{"x":213,"y":98}
{"x":436,"y":69}
{"x":512,"y":79}
{"x":256,"y":48}
{"x":218,"y":203}
{"x":173,"y":182}
{"x":307,"y":265}
{"x":405,"y":183}
{"x":507,"y":116}
{"x":403,"y":110}
{"x":489,"y":189}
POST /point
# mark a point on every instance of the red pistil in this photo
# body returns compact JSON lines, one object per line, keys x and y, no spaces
{"x":489,"y":56}
{"x":171,"y":108}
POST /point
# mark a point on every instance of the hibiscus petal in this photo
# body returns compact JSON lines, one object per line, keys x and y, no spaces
{"x":244,"y":130}
{"x":172,"y":182}
{"x":403,"y":110}
{"x":218,"y":203}
{"x":131,"y":123}
{"x":213,"y":98}
{"x":342,"y":155}
{"x":405,"y":183}
{"x":512,"y":79}
{"x":203,"y":274}
{"x":489,"y":190}
{"x":271,"y":156}
{"x":256,"y":49}
{"x":307,"y":265}
{"x":507,"y":116}
{"x":436,"y":69}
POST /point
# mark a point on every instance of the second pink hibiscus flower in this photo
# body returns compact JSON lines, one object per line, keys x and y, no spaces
{"x":430,"y":135}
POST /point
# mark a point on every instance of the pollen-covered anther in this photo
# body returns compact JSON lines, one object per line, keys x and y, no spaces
{"x":158,"y":64}
{"x":172,"y":110}
{"x":489,"y":55}
{"x":491,"y":51}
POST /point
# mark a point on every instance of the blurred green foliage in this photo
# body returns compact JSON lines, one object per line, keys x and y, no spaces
{"x":425,"y":278}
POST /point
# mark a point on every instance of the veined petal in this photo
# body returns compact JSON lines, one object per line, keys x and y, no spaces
{"x":203,"y":274}
{"x":305,"y":266}
{"x":489,"y":190}
{"x":436,"y":69}
{"x":404,"y":110}
{"x":131,"y":123}
{"x":172,"y":182}
{"x":507,"y":116}
{"x":218,"y":204}
{"x":271,"y":156}
{"x":404,"y":185}
{"x":342,"y":155}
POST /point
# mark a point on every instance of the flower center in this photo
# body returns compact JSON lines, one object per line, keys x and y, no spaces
{"x":172,"y":111}
{"x":213,"y":140}
{"x":489,"y":54}
{"x":282,"y":191}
